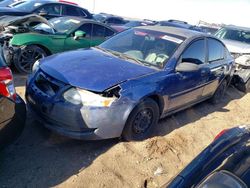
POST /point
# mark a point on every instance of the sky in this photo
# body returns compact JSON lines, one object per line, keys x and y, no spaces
{"x":235,"y":12}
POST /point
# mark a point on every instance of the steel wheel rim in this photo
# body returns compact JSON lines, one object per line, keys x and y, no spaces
{"x":142,"y":121}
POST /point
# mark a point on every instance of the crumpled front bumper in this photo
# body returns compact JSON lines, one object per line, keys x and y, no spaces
{"x":10,"y":53}
{"x":77,"y":121}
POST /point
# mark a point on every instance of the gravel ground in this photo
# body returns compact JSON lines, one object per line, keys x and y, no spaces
{"x":40,"y":158}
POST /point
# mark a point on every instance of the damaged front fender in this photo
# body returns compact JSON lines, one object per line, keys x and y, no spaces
{"x":241,"y":78}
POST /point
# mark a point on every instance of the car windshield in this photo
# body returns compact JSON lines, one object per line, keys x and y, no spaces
{"x":27,"y":6}
{"x":147,"y":47}
{"x":234,"y":34}
{"x":133,"y":24}
{"x":61,"y":25}
{"x":99,"y":17}
{"x":137,"y":23}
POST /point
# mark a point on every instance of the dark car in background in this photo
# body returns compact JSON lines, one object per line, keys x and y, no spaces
{"x":46,"y":8}
{"x":12,"y":107}
{"x":237,"y":40}
{"x":225,"y":163}
{"x":136,"y":23}
{"x":123,"y":86}
{"x":180,"y":24}
{"x":209,"y":29}
{"x":133,"y":23}
{"x":109,"y":19}
{"x":25,"y":44}
{"x":5,"y":3}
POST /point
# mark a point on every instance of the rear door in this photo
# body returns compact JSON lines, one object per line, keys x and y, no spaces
{"x":217,"y":64}
{"x":187,"y":87}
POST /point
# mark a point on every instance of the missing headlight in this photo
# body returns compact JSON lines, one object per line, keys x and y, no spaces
{"x":112,"y":92}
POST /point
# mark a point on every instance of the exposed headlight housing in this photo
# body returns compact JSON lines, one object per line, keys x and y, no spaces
{"x":86,"y":98}
{"x":35,"y":66}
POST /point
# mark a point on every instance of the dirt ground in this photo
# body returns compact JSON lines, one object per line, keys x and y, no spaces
{"x":40,"y":158}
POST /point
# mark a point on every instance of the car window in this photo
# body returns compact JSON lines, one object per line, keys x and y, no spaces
{"x":151,"y":48}
{"x":216,"y":50}
{"x":98,"y":31}
{"x":87,"y":28}
{"x":73,"y":11}
{"x":222,"y":179}
{"x":234,"y":34}
{"x":108,"y":32}
{"x":195,"y":53}
{"x":60,"y":24}
{"x":81,"y":12}
{"x":52,"y":9}
{"x":114,"y":21}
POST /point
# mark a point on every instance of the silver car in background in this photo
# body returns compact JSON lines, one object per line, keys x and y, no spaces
{"x":237,"y":40}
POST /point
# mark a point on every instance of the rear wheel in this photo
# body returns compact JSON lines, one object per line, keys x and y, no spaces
{"x":27,"y":57}
{"x":244,"y":87}
{"x":247,"y":85}
{"x":219,"y":93}
{"x":142,"y":121}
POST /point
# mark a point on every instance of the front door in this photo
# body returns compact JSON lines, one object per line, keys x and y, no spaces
{"x":187,"y":87}
{"x":71,"y":43}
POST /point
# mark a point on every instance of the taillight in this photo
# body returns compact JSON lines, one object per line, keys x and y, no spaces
{"x":220,"y":134}
{"x":7,"y":88}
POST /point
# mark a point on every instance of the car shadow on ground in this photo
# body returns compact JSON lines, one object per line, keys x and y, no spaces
{"x":192,"y":114}
{"x":40,"y":158}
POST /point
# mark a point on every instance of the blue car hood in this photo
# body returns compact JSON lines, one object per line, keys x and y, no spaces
{"x":92,"y":69}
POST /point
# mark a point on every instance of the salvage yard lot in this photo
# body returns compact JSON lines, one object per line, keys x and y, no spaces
{"x":40,"y":158}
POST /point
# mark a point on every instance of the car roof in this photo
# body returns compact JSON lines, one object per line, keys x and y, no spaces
{"x":106,"y":15}
{"x":181,"y":32}
{"x":237,"y":27}
{"x":57,"y":2}
{"x":83,"y":20}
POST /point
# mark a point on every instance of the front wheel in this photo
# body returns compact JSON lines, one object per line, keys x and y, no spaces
{"x":219,"y":93}
{"x":27,"y":57}
{"x":142,"y":121}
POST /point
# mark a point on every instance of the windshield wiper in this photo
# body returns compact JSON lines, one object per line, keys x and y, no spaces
{"x":127,"y":57}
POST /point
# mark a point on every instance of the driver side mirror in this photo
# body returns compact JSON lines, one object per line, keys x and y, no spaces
{"x":187,"y":67}
{"x":43,"y":13}
{"x":79,"y":34}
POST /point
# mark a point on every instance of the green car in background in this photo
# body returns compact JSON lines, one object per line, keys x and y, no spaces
{"x":24,"y":44}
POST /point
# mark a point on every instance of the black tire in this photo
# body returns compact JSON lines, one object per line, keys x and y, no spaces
{"x":27,"y":57}
{"x":219,"y":93}
{"x":141,"y":121}
{"x":247,"y":86}
{"x":244,"y":87}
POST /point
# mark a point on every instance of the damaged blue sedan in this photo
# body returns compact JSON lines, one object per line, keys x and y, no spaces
{"x":124,"y":86}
